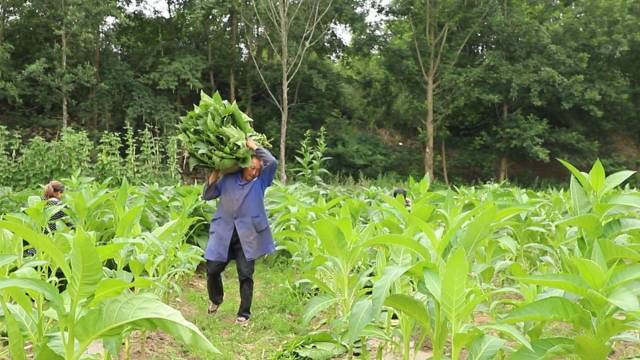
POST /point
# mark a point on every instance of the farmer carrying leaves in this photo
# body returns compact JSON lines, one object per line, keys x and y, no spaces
{"x":239,"y":228}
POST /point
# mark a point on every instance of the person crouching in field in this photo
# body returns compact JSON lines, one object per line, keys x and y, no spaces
{"x":403,"y":193}
{"x":53,"y":193}
{"x":239,"y":228}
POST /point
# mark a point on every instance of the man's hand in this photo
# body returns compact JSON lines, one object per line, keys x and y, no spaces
{"x":251,"y":144}
{"x":213,"y":177}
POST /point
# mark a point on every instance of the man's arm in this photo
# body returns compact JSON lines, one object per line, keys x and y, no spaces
{"x":269,"y":162}
{"x":212,"y":186}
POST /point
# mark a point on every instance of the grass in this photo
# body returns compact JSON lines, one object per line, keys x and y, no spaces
{"x":276,"y":311}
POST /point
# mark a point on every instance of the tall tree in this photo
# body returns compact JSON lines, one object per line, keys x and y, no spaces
{"x":516,"y":71}
{"x":440,"y":31}
{"x":233,"y":45}
{"x":8,"y":90}
{"x":291,"y":28}
{"x":63,"y":63}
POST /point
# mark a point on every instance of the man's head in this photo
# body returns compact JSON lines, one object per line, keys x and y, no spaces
{"x":252,"y":172}
{"x":403,"y":193}
{"x":400,"y":191}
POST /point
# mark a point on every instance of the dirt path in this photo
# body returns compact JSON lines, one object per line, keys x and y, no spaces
{"x":275,"y":314}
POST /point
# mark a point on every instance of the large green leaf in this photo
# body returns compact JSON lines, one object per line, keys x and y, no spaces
{"x":320,"y":350}
{"x":331,"y":237}
{"x":541,"y":348}
{"x":315,"y":306}
{"x":616,"y":179}
{"x":21,"y":300}
{"x":108,"y":288}
{"x":399,"y":240}
{"x":409,"y":306}
{"x":507,"y":213}
{"x":567,"y":282}
{"x":579,"y":175}
{"x":598,"y":257}
{"x":122,"y":195}
{"x":624,"y":274}
{"x":126,"y":223}
{"x":478,"y":229}
{"x":626,"y":297}
{"x":361,"y":314}
{"x":381,"y":287}
{"x":628,"y":225}
{"x":579,"y":199}
{"x":398,"y":205}
{"x":432,"y":283}
{"x":40,"y":241}
{"x":41,"y":287}
{"x":454,"y":226}
{"x":508,"y":330}
{"x":424,"y":227}
{"x":551,"y":309}
{"x":588,"y":223}
{"x":86,"y":267}
{"x":611,"y":327}
{"x":485,"y":347}
{"x":16,"y":340}
{"x":591,"y":272}
{"x":613,"y":251}
{"x":7,"y":259}
{"x":109,"y":251}
{"x":138,"y":312}
{"x":625,"y":199}
{"x":597,"y":176}
{"x":25,"y":320}
{"x":51,"y":351}
{"x":454,"y":285}
{"x":591,"y":348}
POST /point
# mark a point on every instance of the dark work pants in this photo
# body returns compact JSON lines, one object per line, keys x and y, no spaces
{"x":245,"y":276}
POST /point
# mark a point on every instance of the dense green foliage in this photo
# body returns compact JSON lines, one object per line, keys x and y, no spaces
{"x":215,"y":134}
{"x":141,"y":157}
{"x":102,"y":274}
{"x":486,"y":271}
{"x":516,"y":85}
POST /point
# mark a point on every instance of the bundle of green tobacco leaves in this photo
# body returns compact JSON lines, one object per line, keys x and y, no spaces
{"x":215,"y":134}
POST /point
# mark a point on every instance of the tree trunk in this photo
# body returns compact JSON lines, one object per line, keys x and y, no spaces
{"x":270,"y":54}
{"x":63,"y":36}
{"x":3,"y":19}
{"x":283,"y":132}
{"x":234,"y":28}
{"x":207,"y":33}
{"x":503,"y":168}
{"x":428,"y":151}
{"x":94,"y":88}
{"x":444,"y":163}
{"x":504,"y":163}
{"x":285,"y":90}
{"x":278,"y":14}
{"x":249,"y":97}
{"x":232,"y":86}
{"x":212,"y":82}
{"x":252,"y":42}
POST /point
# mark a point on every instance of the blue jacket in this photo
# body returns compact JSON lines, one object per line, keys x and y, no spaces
{"x":241,"y":205}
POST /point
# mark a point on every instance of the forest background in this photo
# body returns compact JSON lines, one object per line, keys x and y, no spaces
{"x":466,"y":91}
